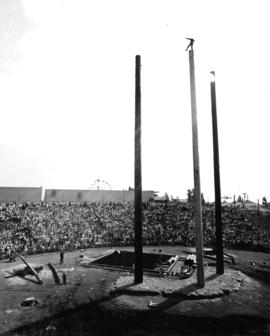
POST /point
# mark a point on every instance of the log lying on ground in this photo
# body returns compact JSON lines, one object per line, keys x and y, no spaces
{"x":31,"y":269}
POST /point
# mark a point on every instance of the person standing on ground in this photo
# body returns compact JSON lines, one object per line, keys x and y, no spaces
{"x":64,"y":275}
{"x":62,"y":256}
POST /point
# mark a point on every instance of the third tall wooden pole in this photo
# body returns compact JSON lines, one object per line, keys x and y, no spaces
{"x":197,"y":184}
{"x":218,"y":214}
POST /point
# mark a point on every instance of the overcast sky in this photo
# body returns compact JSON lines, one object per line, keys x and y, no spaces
{"x":67,"y":75}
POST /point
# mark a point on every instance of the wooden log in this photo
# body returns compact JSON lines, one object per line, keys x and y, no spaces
{"x":40,"y":281}
{"x":54,"y":272}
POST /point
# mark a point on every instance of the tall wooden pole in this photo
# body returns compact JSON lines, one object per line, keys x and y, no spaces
{"x":196,"y":166}
{"x":138,"y":272}
{"x":218,"y":215}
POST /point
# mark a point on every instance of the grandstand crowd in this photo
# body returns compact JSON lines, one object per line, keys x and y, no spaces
{"x":39,"y":227}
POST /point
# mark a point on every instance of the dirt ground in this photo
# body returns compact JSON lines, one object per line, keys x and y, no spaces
{"x":82,"y":305}
{"x":84,"y":285}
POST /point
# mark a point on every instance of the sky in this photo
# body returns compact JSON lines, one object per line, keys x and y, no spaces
{"x":67,"y":88}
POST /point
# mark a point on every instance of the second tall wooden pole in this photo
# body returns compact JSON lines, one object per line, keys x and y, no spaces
{"x":197,"y":184}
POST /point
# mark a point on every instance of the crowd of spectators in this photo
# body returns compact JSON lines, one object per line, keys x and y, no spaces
{"x":38,"y":227}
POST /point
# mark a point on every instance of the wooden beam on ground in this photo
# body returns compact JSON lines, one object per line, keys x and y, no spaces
{"x":173,"y":264}
{"x":40,"y":281}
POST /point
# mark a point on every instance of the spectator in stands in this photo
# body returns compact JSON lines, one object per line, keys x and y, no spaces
{"x":38,"y":227}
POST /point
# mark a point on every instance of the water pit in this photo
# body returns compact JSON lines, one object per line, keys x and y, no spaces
{"x":154,"y":263}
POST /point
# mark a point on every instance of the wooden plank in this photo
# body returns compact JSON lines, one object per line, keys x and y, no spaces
{"x":173,"y":264}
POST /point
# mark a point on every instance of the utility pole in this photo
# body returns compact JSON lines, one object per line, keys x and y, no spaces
{"x":138,"y":272}
{"x":196,"y":168}
{"x":218,"y":215}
